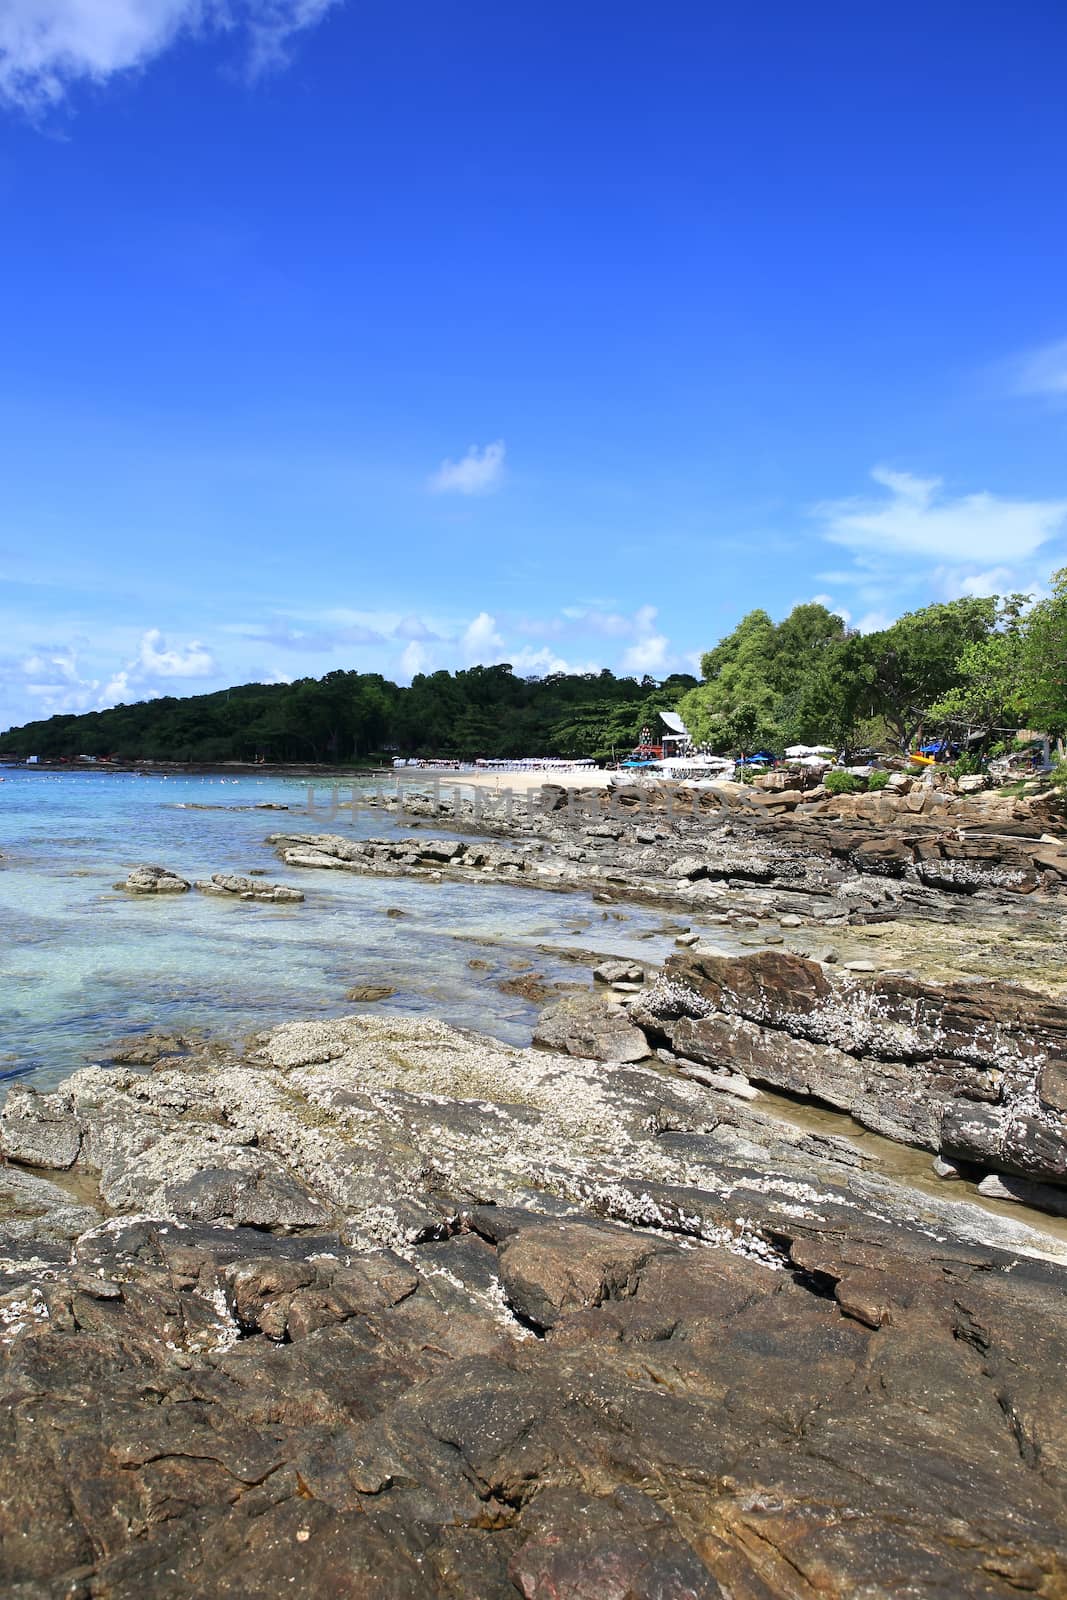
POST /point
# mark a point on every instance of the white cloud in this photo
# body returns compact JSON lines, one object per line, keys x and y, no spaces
{"x":116,"y":690}
{"x":413,"y":659}
{"x":541,"y":663}
{"x":1044,"y":371}
{"x":648,"y":655}
{"x":874,"y":622}
{"x":54,"y":679}
{"x":918,"y":519}
{"x":481,"y":640}
{"x":48,"y":46}
{"x":272,"y":23}
{"x":156,"y":660}
{"x":478,"y":472}
{"x":958,"y":584}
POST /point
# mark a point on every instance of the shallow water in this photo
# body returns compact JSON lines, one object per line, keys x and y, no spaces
{"x":81,"y":963}
{"x":908,"y":1165}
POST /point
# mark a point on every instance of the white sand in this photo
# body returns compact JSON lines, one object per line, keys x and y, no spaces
{"x":519,"y":782}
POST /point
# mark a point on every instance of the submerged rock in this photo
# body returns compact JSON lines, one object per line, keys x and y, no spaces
{"x":145,"y":1049}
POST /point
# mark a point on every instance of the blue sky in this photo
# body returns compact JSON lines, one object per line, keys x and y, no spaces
{"x":396,"y":337}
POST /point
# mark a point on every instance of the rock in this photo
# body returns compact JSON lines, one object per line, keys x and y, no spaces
{"x":619,"y":972}
{"x":231,"y":886}
{"x":1005,"y":1186}
{"x":557,"y":1267}
{"x":685,"y":939}
{"x":154,"y":880}
{"x":36,"y":1217}
{"x":725,"y":1082}
{"x":144,"y":1049}
{"x":584,"y":1025}
{"x":945,"y":1169}
{"x":956,"y":1069}
{"x":860,"y":966}
{"x":259,"y":1194}
{"x":440,"y":849}
{"x":1052,"y":1084}
{"x":368,"y":992}
{"x":561,"y":1330}
{"x":528,"y":986}
{"x":39,"y":1130}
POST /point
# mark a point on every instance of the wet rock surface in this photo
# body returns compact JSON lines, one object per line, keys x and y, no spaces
{"x":385,"y":1308}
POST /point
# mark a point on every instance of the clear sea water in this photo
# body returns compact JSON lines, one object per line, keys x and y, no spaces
{"x":82,"y":963}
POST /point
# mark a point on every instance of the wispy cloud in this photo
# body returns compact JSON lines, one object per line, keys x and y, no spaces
{"x":915,"y":518}
{"x":1043,"y":371}
{"x":49,"y":46}
{"x":412,"y":627}
{"x":480,"y":471}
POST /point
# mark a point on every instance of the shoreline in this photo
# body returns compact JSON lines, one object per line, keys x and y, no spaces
{"x":521,"y":780}
{"x":366,"y":1292}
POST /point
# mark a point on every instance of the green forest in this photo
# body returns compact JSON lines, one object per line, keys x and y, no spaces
{"x":981,"y":666}
{"x":352,"y":717}
{"x":977,"y":668}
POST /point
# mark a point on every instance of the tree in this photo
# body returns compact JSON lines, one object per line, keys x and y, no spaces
{"x":1044,"y":659}
{"x":989,"y":697}
{"x":905,"y":668}
{"x":755,"y":678}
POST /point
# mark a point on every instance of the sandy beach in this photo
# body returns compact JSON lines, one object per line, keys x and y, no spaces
{"x":521,"y":781}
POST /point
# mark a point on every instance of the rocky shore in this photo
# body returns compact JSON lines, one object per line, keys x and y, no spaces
{"x":372,"y":1306}
{"x":380,"y":1307}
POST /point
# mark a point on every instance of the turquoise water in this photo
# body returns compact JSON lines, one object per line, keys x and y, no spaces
{"x":81,"y":963}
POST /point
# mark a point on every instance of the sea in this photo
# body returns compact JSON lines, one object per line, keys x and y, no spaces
{"x":83,"y":963}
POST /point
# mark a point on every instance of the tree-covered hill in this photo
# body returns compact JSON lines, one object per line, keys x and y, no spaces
{"x":351,"y":716}
{"x":972,"y":668}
